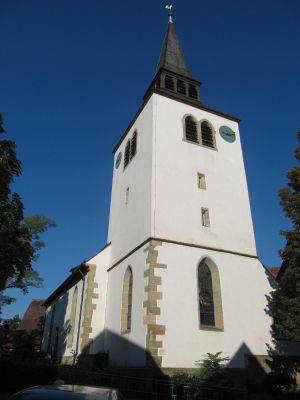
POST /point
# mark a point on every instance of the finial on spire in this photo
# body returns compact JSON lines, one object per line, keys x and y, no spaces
{"x":169,"y":7}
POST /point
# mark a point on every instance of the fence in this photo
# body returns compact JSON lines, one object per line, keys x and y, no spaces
{"x":134,"y":388}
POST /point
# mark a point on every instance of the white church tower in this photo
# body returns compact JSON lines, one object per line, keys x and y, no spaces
{"x":180,"y":220}
{"x":180,"y":276}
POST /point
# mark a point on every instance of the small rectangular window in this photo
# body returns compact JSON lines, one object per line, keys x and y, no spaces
{"x":205,"y":217}
{"x":127,"y":196}
{"x":201,"y":181}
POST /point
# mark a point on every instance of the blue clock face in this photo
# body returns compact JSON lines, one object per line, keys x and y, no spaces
{"x":227,"y":134}
{"x":118,"y":160}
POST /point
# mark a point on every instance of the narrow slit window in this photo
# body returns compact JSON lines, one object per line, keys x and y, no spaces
{"x":191,"y":132}
{"x":207,"y":136}
{"x":169,"y":82}
{"x":127,"y":196}
{"x":201,"y":181}
{"x":205,"y":217}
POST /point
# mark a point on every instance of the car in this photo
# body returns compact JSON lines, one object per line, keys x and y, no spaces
{"x":67,"y":392}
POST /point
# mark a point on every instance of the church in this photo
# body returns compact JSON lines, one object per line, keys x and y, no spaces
{"x":184,"y":279}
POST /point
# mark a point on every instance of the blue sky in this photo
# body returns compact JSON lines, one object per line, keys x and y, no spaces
{"x":73,"y":74}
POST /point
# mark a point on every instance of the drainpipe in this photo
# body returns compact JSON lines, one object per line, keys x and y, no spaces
{"x":80,"y":315}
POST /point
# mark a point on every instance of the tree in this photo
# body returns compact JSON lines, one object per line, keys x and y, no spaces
{"x":10,"y":324}
{"x":19,"y":235}
{"x":285,"y":300}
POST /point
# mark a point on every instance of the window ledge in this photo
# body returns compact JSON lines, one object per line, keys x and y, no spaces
{"x":211,"y":328}
{"x":125,"y":332}
{"x":199,"y":144}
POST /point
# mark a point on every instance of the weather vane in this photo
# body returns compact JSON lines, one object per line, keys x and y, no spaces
{"x":169,"y":7}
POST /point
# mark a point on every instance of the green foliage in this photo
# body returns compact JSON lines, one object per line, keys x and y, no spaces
{"x":285,"y":300}
{"x":19,"y":235}
{"x":211,"y":366}
{"x":10,"y":324}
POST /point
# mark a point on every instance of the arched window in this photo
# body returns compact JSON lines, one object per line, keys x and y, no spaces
{"x":181,"y":87}
{"x":72,"y":318}
{"x":127,"y":154}
{"x":193,"y":92}
{"x":133,"y":145}
{"x":207,"y":136}
{"x":126,"y":301}
{"x":210,"y":301}
{"x":52,"y":316}
{"x":169,"y":82}
{"x":191,"y":131}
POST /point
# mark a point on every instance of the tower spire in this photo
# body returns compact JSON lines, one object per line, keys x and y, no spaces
{"x":173,"y":76}
{"x":171,"y":55}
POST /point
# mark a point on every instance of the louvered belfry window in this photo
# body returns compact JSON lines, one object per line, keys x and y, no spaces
{"x":181,"y":87}
{"x":207,"y":135}
{"x":127,"y":154}
{"x":193,"y":92}
{"x":206,"y":298}
{"x":169,"y":82}
{"x":133,"y":145}
{"x":191,"y":133}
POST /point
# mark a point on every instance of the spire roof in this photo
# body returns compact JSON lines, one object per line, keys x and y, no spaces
{"x":171,"y":55}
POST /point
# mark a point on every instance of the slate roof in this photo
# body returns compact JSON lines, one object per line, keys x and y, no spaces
{"x":171,"y":54}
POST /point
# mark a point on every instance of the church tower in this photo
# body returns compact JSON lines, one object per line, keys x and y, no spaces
{"x":179,"y":276}
{"x":182,"y":242}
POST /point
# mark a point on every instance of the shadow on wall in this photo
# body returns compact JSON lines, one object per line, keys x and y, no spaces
{"x":119,"y":352}
{"x":56,"y":341}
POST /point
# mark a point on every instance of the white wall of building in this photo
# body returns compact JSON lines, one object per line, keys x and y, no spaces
{"x":244,"y":285}
{"x":130,"y":224}
{"x":176,"y":196}
{"x":61,"y":321}
{"x":101,"y":260}
{"x":126,"y":349}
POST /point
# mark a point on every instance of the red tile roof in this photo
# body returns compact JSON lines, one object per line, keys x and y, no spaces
{"x":274,"y":271}
{"x":33,"y":316}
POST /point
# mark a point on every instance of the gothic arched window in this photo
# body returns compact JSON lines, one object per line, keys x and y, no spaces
{"x":210,"y":301}
{"x":52,"y":316}
{"x":207,"y":136}
{"x":191,"y":131}
{"x":72,"y":318}
{"x":126,"y":301}
{"x":127,"y":154}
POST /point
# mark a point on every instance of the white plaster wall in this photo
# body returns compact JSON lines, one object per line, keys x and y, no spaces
{"x":101,"y":260}
{"x":126,"y":349}
{"x":62,"y":320}
{"x":130,"y":224}
{"x":244,"y":285}
{"x":177,"y":200}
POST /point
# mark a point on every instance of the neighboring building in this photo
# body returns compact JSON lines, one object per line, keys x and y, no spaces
{"x":27,"y":337}
{"x":274,"y":271}
{"x":33,"y":319}
{"x":179,"y":276}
